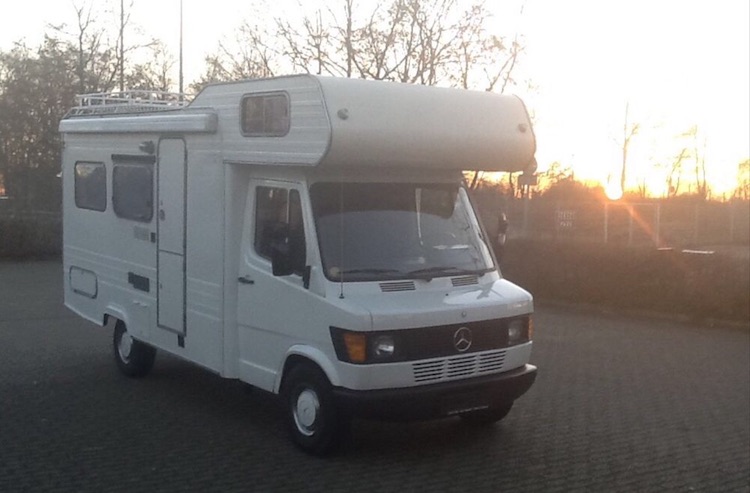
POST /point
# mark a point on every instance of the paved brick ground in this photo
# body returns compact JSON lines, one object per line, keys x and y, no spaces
{"x":620,"y":404}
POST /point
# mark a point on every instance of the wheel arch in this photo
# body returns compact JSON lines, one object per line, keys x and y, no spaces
{"x":115,"y":312}
{"x":305,"y":354}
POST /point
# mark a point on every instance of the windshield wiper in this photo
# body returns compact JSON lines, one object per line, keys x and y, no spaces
{"x":431,"y":272}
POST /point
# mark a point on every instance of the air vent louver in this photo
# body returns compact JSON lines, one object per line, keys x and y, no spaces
{"x":464,"y":281}
{"x":458,"y":366}
{"x":390,"y":287}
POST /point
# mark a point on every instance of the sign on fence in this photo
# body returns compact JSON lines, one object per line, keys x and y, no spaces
{"x":565,"y":219}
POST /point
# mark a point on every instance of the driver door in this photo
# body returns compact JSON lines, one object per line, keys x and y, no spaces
{"x":271,"y":310}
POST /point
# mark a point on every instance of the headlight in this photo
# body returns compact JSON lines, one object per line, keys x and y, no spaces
{"x":518,"y":330}
{"x":383,"y":346}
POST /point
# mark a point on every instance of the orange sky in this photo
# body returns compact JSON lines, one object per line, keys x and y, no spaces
{"x":678,"y":64}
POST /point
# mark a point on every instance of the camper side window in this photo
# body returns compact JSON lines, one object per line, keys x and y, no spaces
{"x":265,"y":115}
{"x":278,"y":220}
{"x":91,"y":186}
{"x":133,"y":191}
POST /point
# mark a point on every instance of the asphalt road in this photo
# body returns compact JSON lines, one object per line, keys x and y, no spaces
{"x":620,"y":404}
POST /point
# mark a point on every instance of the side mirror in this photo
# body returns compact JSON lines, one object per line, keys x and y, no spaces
{"x":502,"y":228}
{"x":502,"y":232}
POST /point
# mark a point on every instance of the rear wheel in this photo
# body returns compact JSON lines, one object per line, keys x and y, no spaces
{"x":484,"y":417}
{"x":134,"y":358}
{"x":312,"y":419}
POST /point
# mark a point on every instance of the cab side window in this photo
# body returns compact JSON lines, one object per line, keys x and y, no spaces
{"x":279,"y":224}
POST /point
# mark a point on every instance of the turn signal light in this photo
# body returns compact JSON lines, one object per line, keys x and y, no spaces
{"x":356,"y":346}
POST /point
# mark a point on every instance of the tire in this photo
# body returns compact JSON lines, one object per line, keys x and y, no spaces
{"x":134,"y":358}
{"x":314,"y":423}
{"x":486,"y":417}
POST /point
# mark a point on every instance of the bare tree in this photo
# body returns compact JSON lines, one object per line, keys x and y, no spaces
{"x":101,"y":53}
{"x":743,"y":180}
{"x":475,"y":180}
{"x":306,"y":49}
{"x":629,"y":131}
{"x":692,"y":151}
{"x":154,"y":73}
{"x":415,"y":41}
{"x":642,"y":187}
{"x":699,"y":154}
{"x":253,"y":58}
{"x":675,"y":173}
{"x":90,"y":49}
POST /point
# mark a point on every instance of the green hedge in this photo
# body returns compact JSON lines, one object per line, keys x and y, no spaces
{"x":704,"y":286}
{"x":30,"y":236}
{"x":693,"y":285}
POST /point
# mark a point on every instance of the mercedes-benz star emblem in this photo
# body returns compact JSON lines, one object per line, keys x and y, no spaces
{"x":462,"y":339}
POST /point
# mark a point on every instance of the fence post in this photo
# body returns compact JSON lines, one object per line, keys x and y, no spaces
{"x":557,"y":220}
{"x":526,"y":216}
{"x":606,"y":222}
{"x":630,"y":225}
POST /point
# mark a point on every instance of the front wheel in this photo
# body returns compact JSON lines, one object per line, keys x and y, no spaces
{"x":314,"y":423}
{"x":134,"y":358}
{"x":484,"y":417}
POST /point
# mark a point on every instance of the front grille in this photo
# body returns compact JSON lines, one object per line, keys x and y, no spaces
{"x":436,"y":342}
{"x":458,"y":366}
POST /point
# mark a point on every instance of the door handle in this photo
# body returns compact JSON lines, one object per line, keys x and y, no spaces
{"x":245,"y":280}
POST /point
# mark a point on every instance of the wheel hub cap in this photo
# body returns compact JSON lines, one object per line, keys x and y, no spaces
{"x":306,"y":412}
{"x":126,"y":344}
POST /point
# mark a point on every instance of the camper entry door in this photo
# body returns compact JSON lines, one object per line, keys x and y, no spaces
{"x":171,"y":235}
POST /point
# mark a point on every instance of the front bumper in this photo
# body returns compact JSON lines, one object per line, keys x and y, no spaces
{"x":437,"y":400}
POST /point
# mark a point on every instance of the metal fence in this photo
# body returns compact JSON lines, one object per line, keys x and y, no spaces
{"x":653,"y":223}
{"x":658,"y":223}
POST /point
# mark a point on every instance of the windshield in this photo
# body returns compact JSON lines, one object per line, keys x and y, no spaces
{"x":376,"y":231}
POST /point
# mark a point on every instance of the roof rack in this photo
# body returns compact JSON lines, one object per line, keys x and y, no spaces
{"x":132,"y":101}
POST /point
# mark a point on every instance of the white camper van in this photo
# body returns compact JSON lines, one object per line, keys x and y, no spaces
{"x":309,"y":236}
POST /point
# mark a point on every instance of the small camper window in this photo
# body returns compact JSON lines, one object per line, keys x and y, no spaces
{"x":91,"y":186}
{"x":133,"y":191}
{"x":265,"y":115}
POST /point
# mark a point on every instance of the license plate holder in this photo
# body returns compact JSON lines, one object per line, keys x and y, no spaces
{"x":463,"y":403}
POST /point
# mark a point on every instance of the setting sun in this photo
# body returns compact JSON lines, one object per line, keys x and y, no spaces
{"x":640,"y":54}
{"x":613,"y":190}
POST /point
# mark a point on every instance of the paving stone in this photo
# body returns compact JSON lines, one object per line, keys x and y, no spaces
{"x":620,"y":404}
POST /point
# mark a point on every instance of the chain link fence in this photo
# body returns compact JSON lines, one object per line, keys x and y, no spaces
{"x":659,"y":224}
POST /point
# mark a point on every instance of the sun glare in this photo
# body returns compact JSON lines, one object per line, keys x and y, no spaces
{"x":613,"y":190}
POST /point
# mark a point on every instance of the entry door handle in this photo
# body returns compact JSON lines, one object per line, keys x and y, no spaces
{"x":245,"y":280}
